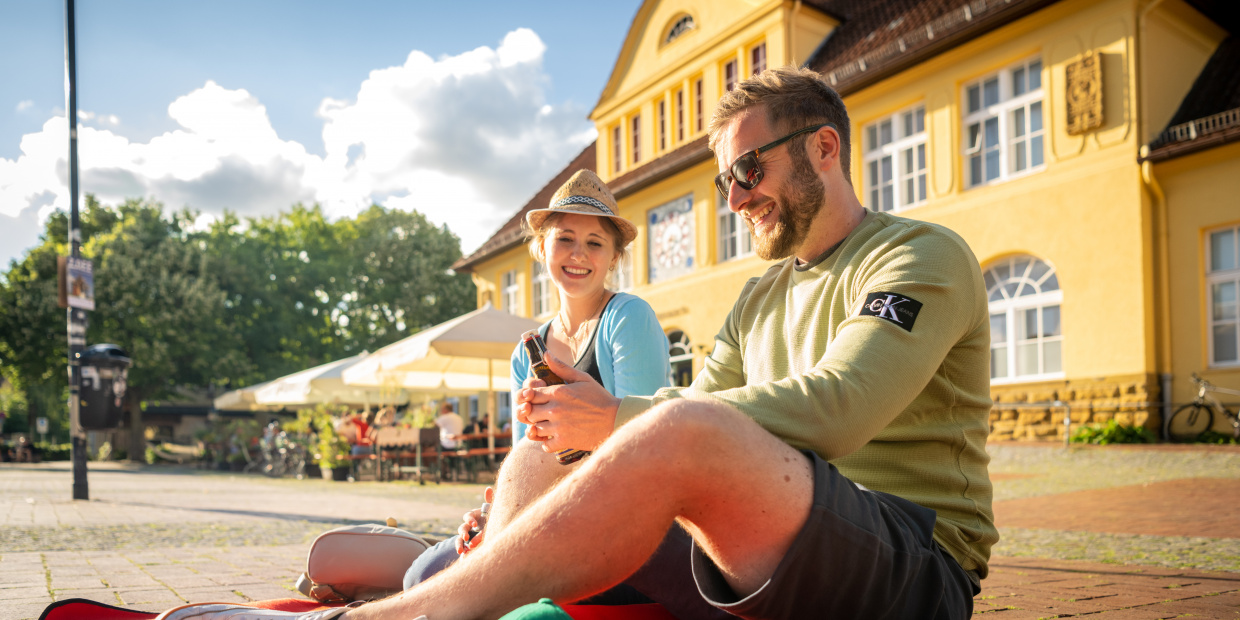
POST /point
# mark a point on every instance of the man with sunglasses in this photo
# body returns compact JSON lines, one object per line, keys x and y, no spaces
{"x":829,"y":459}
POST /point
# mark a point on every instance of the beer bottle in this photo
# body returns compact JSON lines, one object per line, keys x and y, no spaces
{"x":537,"y":350}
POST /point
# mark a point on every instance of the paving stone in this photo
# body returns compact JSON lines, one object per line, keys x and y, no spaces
{"x":77,"y":583}
{"x":246,"y":538}
{"x":214,"y":594}
{"x":23,"y":611}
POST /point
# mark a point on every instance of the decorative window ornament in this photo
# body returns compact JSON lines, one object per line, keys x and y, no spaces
{"x":1084,"y":98}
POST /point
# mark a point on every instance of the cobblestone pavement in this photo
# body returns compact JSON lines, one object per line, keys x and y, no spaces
{"x":1114,"y":532}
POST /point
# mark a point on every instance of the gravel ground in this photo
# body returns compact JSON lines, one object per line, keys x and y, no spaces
{"x":1059,"y":470}
{"x":1051,"y":470}
{"x":164,"y":535}
{"x":1041,"y":470}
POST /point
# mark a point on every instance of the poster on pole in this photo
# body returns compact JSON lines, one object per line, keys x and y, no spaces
{"x":80,"y":281}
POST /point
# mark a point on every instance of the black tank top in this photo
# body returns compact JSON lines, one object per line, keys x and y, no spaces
{"x":588,"y":362}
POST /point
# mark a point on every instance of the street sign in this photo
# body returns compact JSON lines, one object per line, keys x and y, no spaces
{"x":80,"y":282}
{"x":40,"y":423}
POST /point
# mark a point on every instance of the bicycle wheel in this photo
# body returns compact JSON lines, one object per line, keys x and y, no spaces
{"x":1189,"y":422}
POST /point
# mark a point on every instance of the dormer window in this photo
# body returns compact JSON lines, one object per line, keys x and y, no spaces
{"x":682,"y":25}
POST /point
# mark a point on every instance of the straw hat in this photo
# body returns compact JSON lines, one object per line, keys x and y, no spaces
{"x":586,"y":194}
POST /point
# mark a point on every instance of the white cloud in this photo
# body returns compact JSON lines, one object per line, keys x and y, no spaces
{"x":22,"y":106}
{"x":464,"y":139}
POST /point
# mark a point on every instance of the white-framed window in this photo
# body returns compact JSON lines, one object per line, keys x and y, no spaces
{"x":698,"y":105}
{"x":503,"y":413}
{"x":1003,"y":128}
{"x":735,"y":240}
{"x":681,"y":26}
{"x":895,"y":160}
{"x":1223,"y":284}
{"x":730,"y":75}
{"x":508,"y":291}
{"x":680,"y":351}
{"x":680,"y":115}
{"x":757,"y":59}
{"x":617,"y":149}
{"x":1026,"y":336}
{"x":540,"y":289}
{"x":662,"y":125}
{"x":637,"y":138}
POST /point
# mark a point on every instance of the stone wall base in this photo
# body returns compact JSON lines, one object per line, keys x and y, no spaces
{"x":1027,"y":411}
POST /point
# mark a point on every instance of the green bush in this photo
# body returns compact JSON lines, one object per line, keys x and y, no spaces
{"x":53,"y":451}
{"x":1217,"y":437}
{"x":1113,"y":432}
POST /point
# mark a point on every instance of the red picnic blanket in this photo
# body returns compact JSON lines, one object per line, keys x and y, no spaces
{"x":82,"y":609}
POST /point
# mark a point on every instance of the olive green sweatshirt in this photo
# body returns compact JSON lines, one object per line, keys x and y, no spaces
{"x":877,"y":358}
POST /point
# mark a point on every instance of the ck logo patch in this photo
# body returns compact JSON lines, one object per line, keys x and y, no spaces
{"x":898,"y":309}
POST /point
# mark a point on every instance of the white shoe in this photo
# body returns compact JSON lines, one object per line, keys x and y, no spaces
{"x":232,"y":611}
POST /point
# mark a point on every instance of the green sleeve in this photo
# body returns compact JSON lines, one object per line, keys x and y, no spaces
{"x":724,"y":368}
{"x":872,"y":369}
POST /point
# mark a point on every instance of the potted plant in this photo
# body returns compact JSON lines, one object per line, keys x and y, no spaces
{"x":327,"y":445}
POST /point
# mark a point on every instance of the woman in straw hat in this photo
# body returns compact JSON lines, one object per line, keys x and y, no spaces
{"x":614,"y":337}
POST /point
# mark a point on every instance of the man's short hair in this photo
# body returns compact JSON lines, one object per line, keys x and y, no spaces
{"x":794,"y":98}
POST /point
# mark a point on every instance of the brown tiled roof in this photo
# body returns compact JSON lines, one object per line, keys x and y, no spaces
{"x":509,"y":235}
{"x":1209,"y":115}
{"x":669,"y":164}
{"x":878,"y":38}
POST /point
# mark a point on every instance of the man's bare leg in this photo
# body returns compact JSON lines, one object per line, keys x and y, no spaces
{"x":741,"y":492}
{"x":526,"y":475}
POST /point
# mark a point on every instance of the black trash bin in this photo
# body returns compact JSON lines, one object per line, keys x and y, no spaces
{"x":105,"y":371}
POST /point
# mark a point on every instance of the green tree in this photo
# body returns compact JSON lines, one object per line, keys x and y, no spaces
{"x":157,"y":297}
{"x":278,"y":275}
{"x":400,"y":278}
{"x":240,"y":302}
{"x":34,"y":348}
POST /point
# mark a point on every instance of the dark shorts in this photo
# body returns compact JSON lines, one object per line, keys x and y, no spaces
{"x":665,"y":579}
{"x":861,"y":554}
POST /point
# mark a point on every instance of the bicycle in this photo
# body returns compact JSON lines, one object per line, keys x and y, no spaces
{"x":1191,"y":421}
{"x":283,"y":455}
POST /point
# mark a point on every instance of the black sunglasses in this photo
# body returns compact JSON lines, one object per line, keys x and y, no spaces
{"x":746,"y":170}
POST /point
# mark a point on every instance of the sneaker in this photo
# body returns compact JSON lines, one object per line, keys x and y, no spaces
{"x":233,"y":611}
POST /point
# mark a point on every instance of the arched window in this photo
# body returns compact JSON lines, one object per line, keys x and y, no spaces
{"x":679,"y":27}
{"x":681,"y":357}
{"x":1026,"y":337}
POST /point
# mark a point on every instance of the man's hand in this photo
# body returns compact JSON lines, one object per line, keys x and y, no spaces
{"x":579,"y":414}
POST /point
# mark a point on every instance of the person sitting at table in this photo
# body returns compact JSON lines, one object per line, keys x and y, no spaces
{"x":360,"y":438}
{"x":614,"y":337}
{"x":450,"y":426}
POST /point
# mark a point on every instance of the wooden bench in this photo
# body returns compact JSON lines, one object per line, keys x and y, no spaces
{"x":395,"y":447}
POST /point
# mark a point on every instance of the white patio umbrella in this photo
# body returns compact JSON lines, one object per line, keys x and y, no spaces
{"x":239,"y":400}
{"x":323,"y":384}
{"x":467,"y":354}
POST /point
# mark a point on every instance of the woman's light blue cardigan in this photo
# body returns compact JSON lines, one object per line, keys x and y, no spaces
{"x":631,"y":350}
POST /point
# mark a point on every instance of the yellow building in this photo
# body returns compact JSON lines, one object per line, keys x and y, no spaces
{"x":1064,"y":141}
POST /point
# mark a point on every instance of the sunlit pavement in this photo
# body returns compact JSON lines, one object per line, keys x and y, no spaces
{"x":1114,"y":532}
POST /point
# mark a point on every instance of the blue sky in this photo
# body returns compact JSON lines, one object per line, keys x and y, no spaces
{"x":252,"y":106}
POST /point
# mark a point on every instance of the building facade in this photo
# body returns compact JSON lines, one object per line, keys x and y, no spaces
{"x":1084,"y":148}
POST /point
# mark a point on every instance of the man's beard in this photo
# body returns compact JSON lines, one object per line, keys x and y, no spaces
{"x":800,"y":199}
